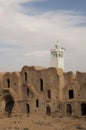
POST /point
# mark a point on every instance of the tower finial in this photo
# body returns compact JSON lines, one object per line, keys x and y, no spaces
{"x":57,"y":44}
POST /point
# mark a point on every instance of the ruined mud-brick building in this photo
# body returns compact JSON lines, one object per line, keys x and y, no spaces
{"x":46,"y":90}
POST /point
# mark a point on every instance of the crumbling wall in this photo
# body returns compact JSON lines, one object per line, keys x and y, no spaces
{"x":46,"y":90}
{"x":81,"y":79}
{"x":68,"y":78}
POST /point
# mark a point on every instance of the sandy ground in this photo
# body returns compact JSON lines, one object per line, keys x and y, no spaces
{"x":42,"y":122}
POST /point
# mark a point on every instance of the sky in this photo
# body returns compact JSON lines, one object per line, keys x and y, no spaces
{"x":29,"y":29}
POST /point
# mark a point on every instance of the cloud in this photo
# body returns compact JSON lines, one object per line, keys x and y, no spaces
{"x":25,"y":29}
{"x":37,"y":53}
{"x":41,"y":31}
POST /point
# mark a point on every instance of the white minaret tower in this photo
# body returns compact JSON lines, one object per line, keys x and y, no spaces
{"x":57,"y":57}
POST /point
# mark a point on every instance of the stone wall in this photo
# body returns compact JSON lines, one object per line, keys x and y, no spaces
{"x":46,"y":90}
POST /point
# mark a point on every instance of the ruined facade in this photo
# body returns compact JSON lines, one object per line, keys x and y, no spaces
{"x":46,"y":90}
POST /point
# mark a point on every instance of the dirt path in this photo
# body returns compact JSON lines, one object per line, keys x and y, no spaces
{"x":42,"y":122}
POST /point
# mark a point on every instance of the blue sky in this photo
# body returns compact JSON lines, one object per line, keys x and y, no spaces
{"x":30,"y":28}
{"x":50,"y":5}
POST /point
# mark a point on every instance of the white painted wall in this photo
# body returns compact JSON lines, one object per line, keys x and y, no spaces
{"x":57,"y":57}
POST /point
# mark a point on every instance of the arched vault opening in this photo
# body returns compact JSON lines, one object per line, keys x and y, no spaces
{"x":9,"y":104}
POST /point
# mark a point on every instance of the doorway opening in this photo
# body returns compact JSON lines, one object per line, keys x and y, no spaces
{"x":69,"y":109}
{"x":48,"y":110}
{"x":83,"y":109}
{"x":9,"y":103}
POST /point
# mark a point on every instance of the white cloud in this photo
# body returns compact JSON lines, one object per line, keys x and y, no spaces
{"x":42,"y":30}
{"x":37,"y":53}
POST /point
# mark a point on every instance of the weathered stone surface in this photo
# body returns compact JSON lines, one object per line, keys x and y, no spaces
{"x":46,"y":90}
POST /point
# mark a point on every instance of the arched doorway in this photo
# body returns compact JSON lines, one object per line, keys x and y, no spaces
{"x":28,"y":108}
{"x":48,"y":110}
{"x":83,"y":109}
{"x":9,"y":103}
{"x":69,"y":109}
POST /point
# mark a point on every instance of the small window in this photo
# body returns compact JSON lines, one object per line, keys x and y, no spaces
{"x":37,"y":103}
{"x":71,"y":94}
{"x":25,"y":74}
{"x":41,"y":85}
{"x":27,"y":108}
{"x":8,"y":83}
{"x":28,"y":92}
{"x":49,"y":93}
{"x":60,"y":55}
